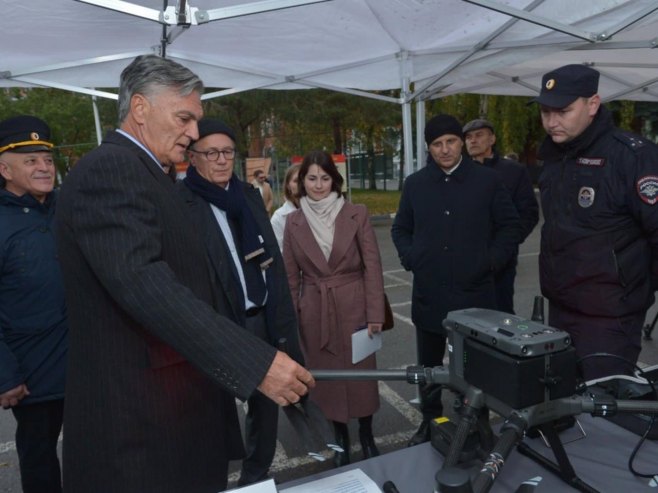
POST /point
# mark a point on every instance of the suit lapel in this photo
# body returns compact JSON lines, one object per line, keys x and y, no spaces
{"x":154,"y":168}
{"x":217,"y":249}
{"x":344,"y":232}
{"x":303,"y":235}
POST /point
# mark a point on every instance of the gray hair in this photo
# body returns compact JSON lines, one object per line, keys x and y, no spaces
{"x":149,"y":74}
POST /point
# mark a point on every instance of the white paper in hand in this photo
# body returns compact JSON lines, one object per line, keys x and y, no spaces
{"x":363,"y":345}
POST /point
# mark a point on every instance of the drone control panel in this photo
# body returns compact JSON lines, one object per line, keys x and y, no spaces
{"x":513,"y":335}
{"x":517,"y":361}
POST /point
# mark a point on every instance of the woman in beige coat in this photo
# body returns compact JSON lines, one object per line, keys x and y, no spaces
{"x":335,"y":275}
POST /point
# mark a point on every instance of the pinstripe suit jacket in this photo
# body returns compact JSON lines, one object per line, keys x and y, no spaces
{"x":151,"y":366}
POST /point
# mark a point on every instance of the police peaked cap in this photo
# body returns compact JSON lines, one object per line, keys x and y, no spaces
{"x":562,"y":86}
{"x":24,"y":134}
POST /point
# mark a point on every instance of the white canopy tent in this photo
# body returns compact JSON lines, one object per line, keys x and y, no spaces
{"x":423,"y":48}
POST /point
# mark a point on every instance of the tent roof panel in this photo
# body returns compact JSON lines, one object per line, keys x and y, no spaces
{"x":453,"y":45}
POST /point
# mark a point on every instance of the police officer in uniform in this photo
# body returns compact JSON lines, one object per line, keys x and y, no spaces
{"x":599,"y":242}
{"x":33,"y":321}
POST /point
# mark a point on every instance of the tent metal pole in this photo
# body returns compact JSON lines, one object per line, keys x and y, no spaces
{"x":97,"y":120}
{"x":405,"y":80}
{"x":481,"y":45}
{"x":638,"y":16}
{"x":420,"y":132}
{"x":408,"y":140}
{"x":534,"y":19}
{"x":639,"y":87}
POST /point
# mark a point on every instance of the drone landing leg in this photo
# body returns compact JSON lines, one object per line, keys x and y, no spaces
{"x":563,"y":468}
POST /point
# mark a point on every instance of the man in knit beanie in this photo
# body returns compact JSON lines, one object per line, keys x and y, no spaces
{"x":456,"y":226}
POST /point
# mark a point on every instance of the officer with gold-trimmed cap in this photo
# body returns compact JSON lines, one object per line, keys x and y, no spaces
{"x":33,"y":322}
{"x":22,"y":135}
{"x":599,"y":247}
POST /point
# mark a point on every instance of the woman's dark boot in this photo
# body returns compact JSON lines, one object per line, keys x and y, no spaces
{"x":343,"y":441}
{"x":367,"y":440}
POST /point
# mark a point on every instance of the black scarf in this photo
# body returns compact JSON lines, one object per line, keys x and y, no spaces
{"x":232,"y":201}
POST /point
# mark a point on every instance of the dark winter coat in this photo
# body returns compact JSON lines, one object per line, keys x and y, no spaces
{"x":517,"y":180}
{"x":33,"y":324}
{"x":454,"y":232}
{"x":229,"y":300}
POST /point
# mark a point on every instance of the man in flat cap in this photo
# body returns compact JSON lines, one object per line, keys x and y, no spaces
{"x":153,"y":368}
{"x":599,"y":242}
{"x":33,"y":323}
{"x":480,"y":140}
{"x":251,"y":286}
{"x":456,"y":226}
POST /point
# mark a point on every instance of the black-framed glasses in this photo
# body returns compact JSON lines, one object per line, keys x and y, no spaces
{"x":213,"y":154}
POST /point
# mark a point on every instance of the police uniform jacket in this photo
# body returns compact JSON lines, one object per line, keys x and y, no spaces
{"x":454,"y":232}
{"x":33,"y":324}
{"x":600,"y":236}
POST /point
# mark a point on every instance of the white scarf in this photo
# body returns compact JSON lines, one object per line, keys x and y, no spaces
{"x":321,"y":217}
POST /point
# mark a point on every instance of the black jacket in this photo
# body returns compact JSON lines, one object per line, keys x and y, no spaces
{"x":33,"y":323}
{"x":228,"y":299}
{"x":600,"y":236}
{"x":454,"y":232}
{"x":517,"y":180}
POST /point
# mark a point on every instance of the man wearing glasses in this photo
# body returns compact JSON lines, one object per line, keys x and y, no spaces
{"x":249,"y":276}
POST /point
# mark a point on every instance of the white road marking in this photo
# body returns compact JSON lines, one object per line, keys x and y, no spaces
{"x":397,"y":279}
{"x":409,"y":412}
{"x":402,"y":318}
{"x":403,"y":284}
{"x":7,"y":447}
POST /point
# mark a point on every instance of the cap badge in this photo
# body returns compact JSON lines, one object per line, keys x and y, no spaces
{"x":34,"y":136}
{"x":586,"y":197}
{"x":550,"y":84}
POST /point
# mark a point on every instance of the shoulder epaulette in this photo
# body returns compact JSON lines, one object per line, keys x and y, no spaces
{"x":630,"y":140}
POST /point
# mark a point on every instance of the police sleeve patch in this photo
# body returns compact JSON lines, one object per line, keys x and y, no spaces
{"x":647,"y":189}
